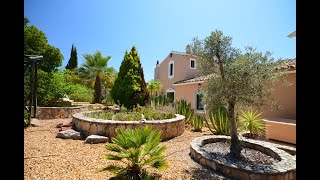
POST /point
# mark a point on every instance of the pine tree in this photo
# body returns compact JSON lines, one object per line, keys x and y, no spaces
{"x":73,"y":61}
{"x":129,"y":88}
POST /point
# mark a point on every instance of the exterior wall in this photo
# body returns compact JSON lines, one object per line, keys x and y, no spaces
{"x":286,"y":97}
{"x":281,"y":131}
{"x":188,"y":92}
{"x":157,"y":72}
{"x":181,"y":68}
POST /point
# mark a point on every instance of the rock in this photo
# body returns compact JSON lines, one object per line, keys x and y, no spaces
{"x":69,"y":134}
{"x":94,"y":139}
{"x":59,"y":125}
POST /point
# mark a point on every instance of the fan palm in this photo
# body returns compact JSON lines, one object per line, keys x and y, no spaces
{"x":95,"y":65}
{"x":136,"y":149}
{"x":154,"y":86}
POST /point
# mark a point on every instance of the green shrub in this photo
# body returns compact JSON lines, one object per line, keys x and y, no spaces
{"x":219,"y":122}
{"x":79,"y":93}
{"x":252,"y":121}
{"x":184,"y":108}
{"x":127,"y":116}
{"x":107,"y":115}
{"x":135,"y":149}
{"x":197,"y":122}
{"x":160,"y":100}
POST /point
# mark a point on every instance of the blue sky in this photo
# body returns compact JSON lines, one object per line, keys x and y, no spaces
{"x":158,"y":27}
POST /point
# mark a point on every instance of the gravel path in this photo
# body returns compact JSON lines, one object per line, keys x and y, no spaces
{"x":47,"y":157}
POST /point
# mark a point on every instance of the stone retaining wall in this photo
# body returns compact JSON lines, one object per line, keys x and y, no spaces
{"x":284,"y":169}
{"x":64,"y":112}
{"x":58,"y":112}
{"x":170,"y":127}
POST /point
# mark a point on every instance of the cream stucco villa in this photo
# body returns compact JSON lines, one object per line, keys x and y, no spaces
{"x":177,"y":73}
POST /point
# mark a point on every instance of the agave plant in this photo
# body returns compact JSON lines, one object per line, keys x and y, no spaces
{"x":136,"y":149}
{"x":219,"y":122}
{"x":197,"y":122}
{"x":184,"y":108}
{"x":252,"y":121}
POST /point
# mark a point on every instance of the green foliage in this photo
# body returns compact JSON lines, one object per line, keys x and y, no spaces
{"x":184,"y":108}
{"x":97,"y":90}
{"x":129,"y":88}
{"x":235,"y":78}
{"x":79,"y":93}
{"x":136,"y":149}
{"x":158,"y":101}
{"x":154,"y":87}
{"x":252,"y":121}
{"x":153,"y":114}
{"x":51,"y":87}
{"x":135,"y":115}
{"x":219,"y":122}
{"x":128,"y":116}
{"x":197,"y":122}
{"x":107,"y":115}
{"x":36,"y":43}
{"x":73,"y":61}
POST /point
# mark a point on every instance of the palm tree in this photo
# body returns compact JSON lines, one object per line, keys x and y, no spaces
{"x":135,"y":149}
{"x":95,"y":66}
{"x":154,"y":86}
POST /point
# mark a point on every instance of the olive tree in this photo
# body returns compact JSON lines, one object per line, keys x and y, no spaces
{"x":234,"y":78}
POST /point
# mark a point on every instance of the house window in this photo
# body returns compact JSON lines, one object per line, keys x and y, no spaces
{"x":192,"y":64}
{"x":170,"y":95}
{"x":171,"y":69}
{"x":199,"y":104}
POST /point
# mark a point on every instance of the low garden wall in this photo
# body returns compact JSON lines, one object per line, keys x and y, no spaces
{"x":88,"y":126}
{"x":284,"y":169}
{"x":281,"y":131}
{"x":63,"y":112}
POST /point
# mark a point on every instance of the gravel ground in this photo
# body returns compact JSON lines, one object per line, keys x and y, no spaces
{"x":47,"y":157}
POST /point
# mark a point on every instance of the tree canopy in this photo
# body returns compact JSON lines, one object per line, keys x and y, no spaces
{"x":235,"y":78}
{"x":131,"y":77}
{"x":73,"y":61}
{"x":36,"y":43}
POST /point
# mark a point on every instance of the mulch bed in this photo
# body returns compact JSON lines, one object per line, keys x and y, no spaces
{"x":249,"y":157}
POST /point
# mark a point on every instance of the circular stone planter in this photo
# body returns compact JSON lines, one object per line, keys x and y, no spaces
{"x":58,"y":112}
{"x":284,"y":169}
{"x":91,"y":126}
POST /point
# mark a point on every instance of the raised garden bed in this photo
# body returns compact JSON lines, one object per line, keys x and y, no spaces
{"x":280,"y":165}
{"x":170,"y":127}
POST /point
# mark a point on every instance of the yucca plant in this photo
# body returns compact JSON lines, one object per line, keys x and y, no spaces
{"x":197,"y":122}
{"x":219,"y":122}
{"x":253,"y":122}
{"x":136,"y":149}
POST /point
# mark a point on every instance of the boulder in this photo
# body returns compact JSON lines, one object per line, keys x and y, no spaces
{"x":69,"y":134}
{"x":94,"y":139}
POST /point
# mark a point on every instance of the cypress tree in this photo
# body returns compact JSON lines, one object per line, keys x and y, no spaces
{"x":129,"y":88}
{"x":73,"y":61}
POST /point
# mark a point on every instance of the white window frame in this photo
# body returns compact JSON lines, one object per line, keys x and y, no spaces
{"x":171,"y":90}
{"x":195,"y":64}
{"x":195,"y":103}
{"x":171,"y":76}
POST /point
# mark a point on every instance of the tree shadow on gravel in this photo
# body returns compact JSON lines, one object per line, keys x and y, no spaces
{"x":204,"y":173}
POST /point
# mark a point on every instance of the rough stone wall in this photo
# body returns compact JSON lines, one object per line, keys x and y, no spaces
{"x":284,"y":169}
{"x":170,"y":127}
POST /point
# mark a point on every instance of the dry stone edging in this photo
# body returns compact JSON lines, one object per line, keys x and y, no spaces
{"x":91,"y":126}
{"x":284,"y":169}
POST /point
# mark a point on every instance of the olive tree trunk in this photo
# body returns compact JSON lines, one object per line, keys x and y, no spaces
{"x":235,"y":148}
